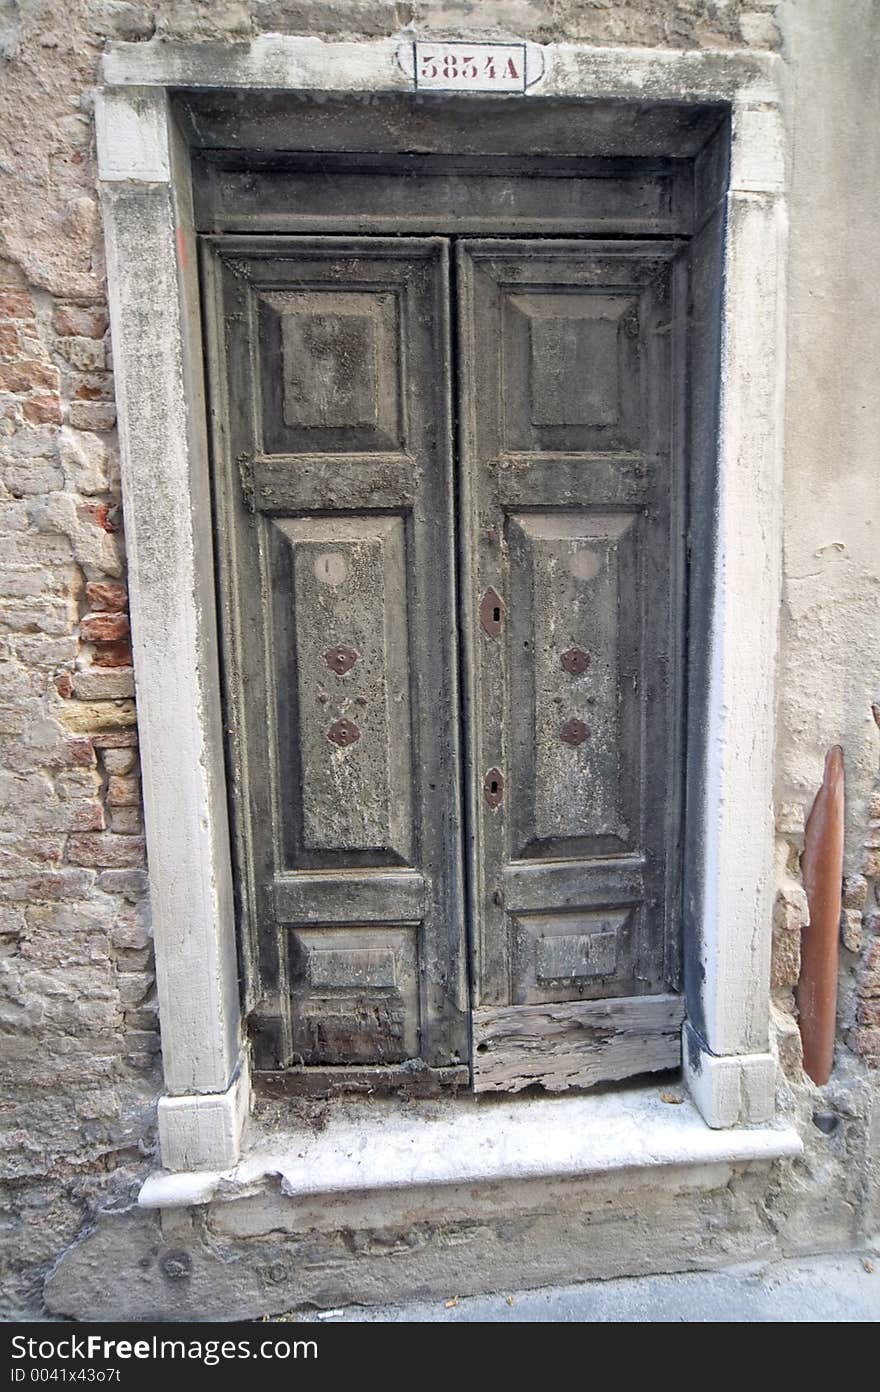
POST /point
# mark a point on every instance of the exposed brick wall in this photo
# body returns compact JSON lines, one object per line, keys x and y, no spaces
{"x":861,"y":936}
{"x":79,"y":1065}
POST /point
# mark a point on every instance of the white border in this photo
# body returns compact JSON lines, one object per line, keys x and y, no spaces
{"x":156,"y":336}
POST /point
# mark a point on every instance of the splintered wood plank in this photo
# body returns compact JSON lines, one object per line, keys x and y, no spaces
{"x":575,"y":1044}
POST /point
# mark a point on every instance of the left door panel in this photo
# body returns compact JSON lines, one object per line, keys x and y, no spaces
{"x":329,"y":377}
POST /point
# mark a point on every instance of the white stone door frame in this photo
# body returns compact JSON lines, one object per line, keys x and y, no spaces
{"x":155,"y":321}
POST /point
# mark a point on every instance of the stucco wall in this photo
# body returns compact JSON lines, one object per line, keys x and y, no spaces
{"x":79,"y":1065}
{"x":829,"y":669}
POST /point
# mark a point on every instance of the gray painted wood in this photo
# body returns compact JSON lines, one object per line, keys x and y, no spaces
{"x":331,"y":406}
{"x":575,"y":1045}
{"x":270,"y":124}
{"x":456,"y":194}
{"x":573,"y":515}
{"x":332,"y":458}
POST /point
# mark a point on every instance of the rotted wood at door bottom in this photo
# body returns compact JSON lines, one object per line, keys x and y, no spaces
{"x":576,"y":1044}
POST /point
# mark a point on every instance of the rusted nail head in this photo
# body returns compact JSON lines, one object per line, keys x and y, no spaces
{"x":574,"y":732}
{"x":343,"y":732}
{"x":575,"y":660}
{"x":340,"y":659}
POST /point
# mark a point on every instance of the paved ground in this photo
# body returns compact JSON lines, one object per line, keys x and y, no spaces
{"x":819,"y":1289}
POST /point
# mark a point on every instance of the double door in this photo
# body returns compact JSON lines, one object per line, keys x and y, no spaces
{"x":450,"y":550}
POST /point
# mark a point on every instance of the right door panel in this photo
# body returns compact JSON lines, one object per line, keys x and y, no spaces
{"x":572,"y":608}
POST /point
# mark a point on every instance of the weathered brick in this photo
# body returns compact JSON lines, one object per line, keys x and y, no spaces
{"x":78,"y":783}
{"x":855,"y":891}
{"x":123,"y":792}
{"x":106,"y":851}
{"x":869,"y":977}
{"x":788,"y":1044}
{"x":871,"y":862}
{"x":104,"y":628}
{"x":119,"y":761}
{"x":103,"y":683}
{"x":97,"y":514}
{"x":98,"y":717}
{"x":134,"y":987}
{"x":80,"y":321}
{"x":113,"y":654}
{"x":42,"y":409}
{"x":851,"y":930}
{"x":132,"y":884}
{"x":107,"y":595}
{"x":126,"y":821}
{"x":92,"y":386}
{"x":27,"y":376}
{"x":868,"y":1012}
{"x":9,"y":340}
{"x":92,"y":415}
{"x":134,"y":959}
{"x":53,"y":885}
{"x":83,"y":354}
{"x":12,"y":720}
{"x":16,"y":304}
{"x":12,"y":920}
{"x":131,"y":931}
{"x":30,"y":854}
{"x":98,"y":1104}
{"x":143,"y":1041}
{"x":145,"y":1017}
{"x":866,"y":1041}
{"x":115,"y":739}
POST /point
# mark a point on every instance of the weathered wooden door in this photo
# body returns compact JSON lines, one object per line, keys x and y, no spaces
{"x":342,"y":499}
{"x":331,"y":402}
{"x":572,"y":561}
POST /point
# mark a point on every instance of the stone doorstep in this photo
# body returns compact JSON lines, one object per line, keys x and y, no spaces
{"x":380,"y":1145}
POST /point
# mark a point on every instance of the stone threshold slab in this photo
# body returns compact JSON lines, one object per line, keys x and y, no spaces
{"x":381,"y":1144}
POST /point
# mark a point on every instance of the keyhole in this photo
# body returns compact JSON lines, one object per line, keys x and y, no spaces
{"x":493,"y":786}
{"x":496,"y":615}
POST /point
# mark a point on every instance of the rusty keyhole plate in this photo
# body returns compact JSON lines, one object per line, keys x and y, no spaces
{"x":492,"y":612}
{"x":575,"y":661}
{"x":574,"y":732}
{"x":493,"y":788}
{"x":340,"y":659}
{"x":343,"y":732}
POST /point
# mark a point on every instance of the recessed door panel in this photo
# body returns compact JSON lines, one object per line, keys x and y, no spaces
{"x":342,"y":689}
{"x":569,"y":368}
{"x":331,"y":370}
{"x":573,"y":639}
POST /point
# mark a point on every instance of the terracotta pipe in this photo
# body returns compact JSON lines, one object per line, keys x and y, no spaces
{"x":822,"y":867}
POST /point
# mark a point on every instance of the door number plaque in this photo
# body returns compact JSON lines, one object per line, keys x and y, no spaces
{"x":472,"y":67}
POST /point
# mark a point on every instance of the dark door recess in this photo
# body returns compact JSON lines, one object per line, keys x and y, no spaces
{"x":368,"y":553}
